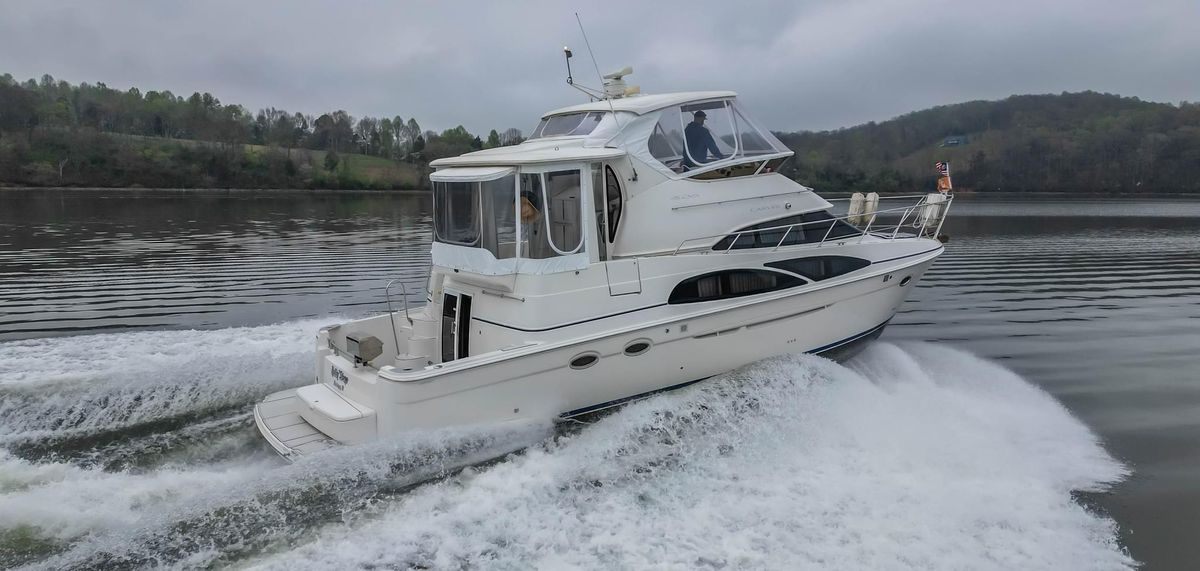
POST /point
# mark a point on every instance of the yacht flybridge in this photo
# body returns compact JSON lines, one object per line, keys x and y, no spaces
{"x":633,"y":244}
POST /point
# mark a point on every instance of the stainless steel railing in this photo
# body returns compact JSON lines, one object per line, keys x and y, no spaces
{"x":918,"y":215}
{"x":392,"y":314}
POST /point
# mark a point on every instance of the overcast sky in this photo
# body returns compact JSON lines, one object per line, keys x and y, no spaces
{"x":797,"y":65}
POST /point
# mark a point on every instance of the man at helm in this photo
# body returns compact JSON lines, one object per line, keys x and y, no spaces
{"x":699,"y":142}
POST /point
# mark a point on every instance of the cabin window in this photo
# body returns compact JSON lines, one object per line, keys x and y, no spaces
{"x":817,"y":268}
{"x":499,"y":235}
{"x":751,"y":140}
{"x":568,"y":125}
{"x":477,"y":214}
{"x":732,"y":171}
{"x":456,"y":206}
{"x":775,"y":164}
{"x":666,"y":142}
{"x":683,"y":142}
{"x":550,"y":208}
{"x":562,"y":192}
{"x":535,"y":241}
{"x":709,"y":132}
{"x":612,"y":194}
{"x":808,"y":228}
{"x":731,"y":283}
{"x":598,"y":206}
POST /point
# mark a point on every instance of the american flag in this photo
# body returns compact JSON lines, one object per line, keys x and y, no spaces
{"x":943,"y":168}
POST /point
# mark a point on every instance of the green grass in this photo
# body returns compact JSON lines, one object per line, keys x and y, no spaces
{"x":354,"y":169}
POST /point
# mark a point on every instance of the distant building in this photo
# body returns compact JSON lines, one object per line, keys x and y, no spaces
{"x":954,"y":141}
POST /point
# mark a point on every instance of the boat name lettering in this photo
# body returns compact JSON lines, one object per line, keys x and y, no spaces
{"x":685,"y":196}
{"x":339,"y":378}
{"x":765,"y":208}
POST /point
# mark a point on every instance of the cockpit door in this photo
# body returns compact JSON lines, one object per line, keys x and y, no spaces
{"x":456,"y":321}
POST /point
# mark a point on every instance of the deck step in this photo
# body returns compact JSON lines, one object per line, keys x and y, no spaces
{"x":278,"y":418}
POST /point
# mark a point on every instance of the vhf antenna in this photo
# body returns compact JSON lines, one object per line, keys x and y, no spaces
{"x":606,"y":97}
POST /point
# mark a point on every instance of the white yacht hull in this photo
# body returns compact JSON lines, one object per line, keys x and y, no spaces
{"x":536,"y":380}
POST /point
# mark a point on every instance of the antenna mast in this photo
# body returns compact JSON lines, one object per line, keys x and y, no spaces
{"x":607,"y":96}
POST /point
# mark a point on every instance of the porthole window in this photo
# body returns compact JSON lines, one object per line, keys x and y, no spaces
{"x":585,"y":360}
{"x":637,"y":347}
{"x":817,"y":268}
{"x":905,"y":281}
{"x":730,"y":283}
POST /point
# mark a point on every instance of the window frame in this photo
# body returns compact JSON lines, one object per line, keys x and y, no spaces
{"x":739,"y":157}
{"x":546,"y":211}
{"x":785,"y":280}
{"x":829,"y":259}
{"x":444,"y":213}
{"x":611,"y":223}
{"x":785,"y":229}
{"x":539,"y":171}
{"x":539,"y":130}
{"x":727,"y":105}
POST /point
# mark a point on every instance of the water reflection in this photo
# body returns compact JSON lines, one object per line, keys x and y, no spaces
{"x":81,"y":261}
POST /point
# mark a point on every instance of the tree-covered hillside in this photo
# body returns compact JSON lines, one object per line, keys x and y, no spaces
{"x":54,"y":133}
{"x":1073,"y":142}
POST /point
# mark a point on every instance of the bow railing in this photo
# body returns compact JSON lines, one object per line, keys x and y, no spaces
{"x":924,"y":216}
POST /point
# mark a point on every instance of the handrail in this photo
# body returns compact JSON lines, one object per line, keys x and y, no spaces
{"x":392,"y":314}
{"x":904,"y":211}
{"x":896,"y":197}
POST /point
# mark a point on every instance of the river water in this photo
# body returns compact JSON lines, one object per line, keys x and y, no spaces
{"x":1036,"y":405}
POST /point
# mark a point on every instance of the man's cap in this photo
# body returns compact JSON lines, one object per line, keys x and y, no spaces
{"x":699,"y":114}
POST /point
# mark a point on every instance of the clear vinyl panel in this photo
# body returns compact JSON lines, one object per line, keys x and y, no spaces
{"x":568,"y":125}
{"x":535,"y":243}
{"x":499,"y":235}
{"x":703,"y":135}
{"x":709,"y":132}
{"x":562,"y":193}
{"x":456,"y":213}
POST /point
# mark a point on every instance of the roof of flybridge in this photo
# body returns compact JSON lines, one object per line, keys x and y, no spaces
{"x":532,"y":152}
{"x":642,"y":104}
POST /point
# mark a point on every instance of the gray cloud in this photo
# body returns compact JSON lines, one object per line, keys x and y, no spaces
{"x":799,"y":65}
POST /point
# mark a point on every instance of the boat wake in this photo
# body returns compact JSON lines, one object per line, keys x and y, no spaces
{"x":73,"y":396}
{"x":912,"y":456}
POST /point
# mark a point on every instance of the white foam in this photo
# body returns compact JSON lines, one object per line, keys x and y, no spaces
{"x":919,"y":457}
{"x":60,"y":501}
{"x":90,"y":383}
{"x":241,"y":507}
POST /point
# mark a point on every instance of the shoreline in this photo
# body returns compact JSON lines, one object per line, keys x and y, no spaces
{"x":150,"y":190}
{"x":219,"y":191}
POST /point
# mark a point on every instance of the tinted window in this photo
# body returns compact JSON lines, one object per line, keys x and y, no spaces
{"x":819,"y":268}
{"x":730,"y":283}
{"x":817,"y":226}
{"x":612,"y":194}
{"x":571,"y":124}
{"x":774,"y":165}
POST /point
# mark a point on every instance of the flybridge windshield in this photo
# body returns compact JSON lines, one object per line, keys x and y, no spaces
{"x":568,"y":125}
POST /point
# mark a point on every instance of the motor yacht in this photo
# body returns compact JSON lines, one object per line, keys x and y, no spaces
{"x":633,"y":244}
